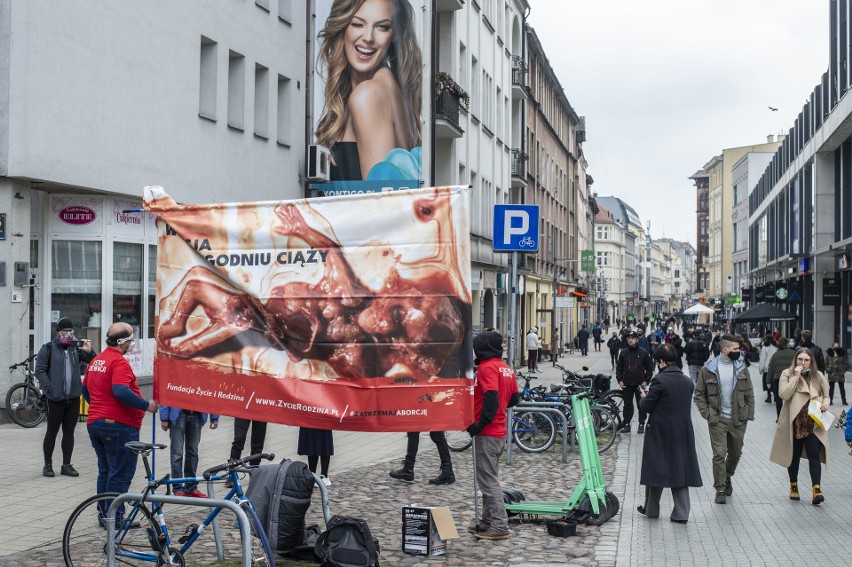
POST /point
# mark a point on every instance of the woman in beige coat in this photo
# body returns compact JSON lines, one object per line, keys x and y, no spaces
{"x":797,"y":435}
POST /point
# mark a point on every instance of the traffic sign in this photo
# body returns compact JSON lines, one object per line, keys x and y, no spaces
{"x":516,"y":228}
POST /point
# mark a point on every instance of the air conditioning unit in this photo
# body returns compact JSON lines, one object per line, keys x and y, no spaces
{"x":319,"y":164}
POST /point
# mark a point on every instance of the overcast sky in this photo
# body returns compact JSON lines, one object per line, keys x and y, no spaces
{"x":667,"y":84}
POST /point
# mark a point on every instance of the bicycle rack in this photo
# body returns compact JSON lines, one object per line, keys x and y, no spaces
{"x":217,"y":533}
{"x":245,"y":528}
{"x":556,"y":408}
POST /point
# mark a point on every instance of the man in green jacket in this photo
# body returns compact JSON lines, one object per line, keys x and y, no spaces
{"x":725,"y":398}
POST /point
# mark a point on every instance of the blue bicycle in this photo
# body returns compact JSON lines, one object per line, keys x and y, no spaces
{"x":142,"y":535}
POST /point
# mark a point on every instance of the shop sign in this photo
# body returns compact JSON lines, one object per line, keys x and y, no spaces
{"x":77,"y":215}
{"x":759,"y":294}
{"x":831,"y":291}
{"x":770,"y":292}
{"x":843,"y":262}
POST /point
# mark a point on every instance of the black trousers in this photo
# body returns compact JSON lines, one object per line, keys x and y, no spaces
{"x":61,"y":415}
{"x":631,"y":393}
{"x":258,"y":436}
{"x":812,"y":446}
{"x":778,"y":401}
{"x":440,"y":441}
{"x":842,"y":386}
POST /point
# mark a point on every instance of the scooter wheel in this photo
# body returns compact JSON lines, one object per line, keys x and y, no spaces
{"x":595,"y":519}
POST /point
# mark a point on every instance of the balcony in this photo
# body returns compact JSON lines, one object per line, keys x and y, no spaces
{"x":519,"y":78}
{"x":447,"y":105}
{"x":519,"y":168}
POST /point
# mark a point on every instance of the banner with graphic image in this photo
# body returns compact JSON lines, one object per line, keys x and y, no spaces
{"x":348,"y":313}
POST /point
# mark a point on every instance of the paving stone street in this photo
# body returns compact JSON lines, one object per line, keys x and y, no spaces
{"x":758,"y":525}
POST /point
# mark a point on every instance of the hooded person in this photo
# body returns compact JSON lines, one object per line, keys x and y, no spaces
{"x":495,"y":389}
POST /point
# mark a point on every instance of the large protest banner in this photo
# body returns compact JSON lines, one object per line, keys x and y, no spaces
{"x":347,"y":313}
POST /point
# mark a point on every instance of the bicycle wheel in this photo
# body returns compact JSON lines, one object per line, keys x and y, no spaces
{"x":458,"y":440}
{"x":22,"y":403}
{"x":606,"y":428}
{"x":84,"y":538}
{"x":533,"y":432}
{"x":261,"y":553}
{"x":616,"y":398}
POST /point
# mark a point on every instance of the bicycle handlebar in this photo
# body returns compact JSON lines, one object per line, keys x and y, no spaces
{"x":25,"y":363}
{"x":234,"y":464}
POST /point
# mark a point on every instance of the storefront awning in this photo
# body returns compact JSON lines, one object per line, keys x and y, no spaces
{"x":579,"y":294}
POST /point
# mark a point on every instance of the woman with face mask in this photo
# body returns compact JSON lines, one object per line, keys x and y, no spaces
{"x":797,"y":435}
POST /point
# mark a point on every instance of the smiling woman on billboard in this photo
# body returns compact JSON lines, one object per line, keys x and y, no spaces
{"x":371,"y":63}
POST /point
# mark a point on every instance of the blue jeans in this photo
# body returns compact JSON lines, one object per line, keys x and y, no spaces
{"x":116,"y":463}
{"x":185,"y":436}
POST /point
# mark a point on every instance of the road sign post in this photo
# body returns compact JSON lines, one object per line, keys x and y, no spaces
{"x":515,"y":230}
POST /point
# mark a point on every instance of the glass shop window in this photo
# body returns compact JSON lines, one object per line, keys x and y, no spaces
{"x":152,"y":289}
{"x":76,"y":287}
{"x":127,"y":284}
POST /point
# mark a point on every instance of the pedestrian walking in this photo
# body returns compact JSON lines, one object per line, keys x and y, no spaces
{"x":184,"y":427}
{"x":780,"y":361}
{"x":583,"y":340}
{"x":725,"y":398}
{"x":614,"y":346}
{"x":446,"y":475}
{"x":495,"y":390}
{"x":767,"y":351}
{"x":697,"y":352}
{"x":633,"y":370}
{"x":57,"y":370}
{"x":258,"y":437}
{"x":318,"y":446}
{"x":533,"y":344}
{"x":116,"y":411}
{"x":797,"y":435}
{"x":597,"y":332}
{"x":837,"y":367}
{"x":668,"y":455}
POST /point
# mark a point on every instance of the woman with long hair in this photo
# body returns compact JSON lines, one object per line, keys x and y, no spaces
{"x":797,"y":435}
{"x":372,"y":68}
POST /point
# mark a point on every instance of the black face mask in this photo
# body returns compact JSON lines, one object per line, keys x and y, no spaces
{"x":734,"y":355}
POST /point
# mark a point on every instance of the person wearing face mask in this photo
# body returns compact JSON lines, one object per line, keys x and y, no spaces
{"x":116,"y":410}
{"x":837,"y":368}
{"x":668,"y":455}
{"x":724,"y":396}
{"x":797,"y":435}
{"x":57,"y":370}
{"x":779,"y":362}
{"x":633,"y":370}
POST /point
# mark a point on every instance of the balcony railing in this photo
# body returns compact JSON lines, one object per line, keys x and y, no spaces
{"x":447,"y":106}
{"x":519,"y":71}
{"x":519,"y":163}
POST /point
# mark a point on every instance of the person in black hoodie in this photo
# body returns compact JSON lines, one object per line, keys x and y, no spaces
{"x":614,"y":345}
{"x":57,"y":370}
{"x":697,"y":352}
{"x":633,"y":371}
{"x":819,"y":357}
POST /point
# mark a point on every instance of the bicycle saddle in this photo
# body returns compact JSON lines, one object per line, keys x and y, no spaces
{"x":140,"y":447}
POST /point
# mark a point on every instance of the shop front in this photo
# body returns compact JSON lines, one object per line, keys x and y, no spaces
{"x":95,"y":257}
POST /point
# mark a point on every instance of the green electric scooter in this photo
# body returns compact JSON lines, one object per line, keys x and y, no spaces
{"x":590,"y":502}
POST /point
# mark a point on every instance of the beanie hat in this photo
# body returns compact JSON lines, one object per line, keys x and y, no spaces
{"x":488,"y":344}
{"x":64,"y":323}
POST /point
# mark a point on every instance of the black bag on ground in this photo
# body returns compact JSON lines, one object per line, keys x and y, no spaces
{"x":347,"y":543}
{"x":281,"y":495}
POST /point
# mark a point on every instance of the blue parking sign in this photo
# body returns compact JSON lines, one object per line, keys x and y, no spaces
{"x":516,"y":228}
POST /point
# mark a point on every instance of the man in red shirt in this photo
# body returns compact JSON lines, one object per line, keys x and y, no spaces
{"x":496,"y":389}
{"x":116,"y":410}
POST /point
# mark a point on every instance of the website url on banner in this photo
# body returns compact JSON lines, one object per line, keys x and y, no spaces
{"x":294,"y":407}
{"x":198,"y":391}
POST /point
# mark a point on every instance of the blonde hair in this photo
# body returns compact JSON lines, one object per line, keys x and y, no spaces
{"x":403,"y":59}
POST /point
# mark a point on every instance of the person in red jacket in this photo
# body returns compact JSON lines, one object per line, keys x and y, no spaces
{"x":495,"y":390}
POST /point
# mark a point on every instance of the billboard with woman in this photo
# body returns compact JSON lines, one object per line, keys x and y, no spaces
{"x":368,"y":94}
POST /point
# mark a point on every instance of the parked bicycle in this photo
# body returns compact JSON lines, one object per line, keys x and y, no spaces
{"x":532,"y":432}
{"x":25,"y":402}
{"x":142,"y":536}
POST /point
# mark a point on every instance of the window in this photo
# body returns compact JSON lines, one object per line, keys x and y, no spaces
{"x":261,"y":101}
{"x":152,"y":290}
{"x":262,"y":4}
{"x":207,"y":79}
{"x":76,"y":286}
{"x":474,"y":88}
{"x":603,"y":258}
{"x":127,"y":284}
{"x":236,"y":90}
{"x":285,"y":11}
{"x":283,"y":110}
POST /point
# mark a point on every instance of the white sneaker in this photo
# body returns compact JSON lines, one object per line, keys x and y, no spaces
{"x":325,"y":480}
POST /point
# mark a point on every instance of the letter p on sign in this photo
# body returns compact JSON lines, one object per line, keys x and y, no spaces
{"x":517,"y":223}
{"x":516,"y":228}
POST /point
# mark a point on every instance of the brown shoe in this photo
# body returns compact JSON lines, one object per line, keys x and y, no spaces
{"x":475,"y":529}
{"x":493,"y":534}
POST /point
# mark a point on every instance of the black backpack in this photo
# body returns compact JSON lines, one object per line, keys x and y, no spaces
{"x":347,"y":543}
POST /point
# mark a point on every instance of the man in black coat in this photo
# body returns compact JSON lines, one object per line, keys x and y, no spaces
{"x":668,"y":457}
{"x":583,"y":340}
{"x":808,"y":342}
{"x":697,"y":352}
{"x":633,"y":369}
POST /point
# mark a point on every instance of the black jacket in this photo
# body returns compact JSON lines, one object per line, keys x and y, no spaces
{"x":634,"y":366}
{"x":696,"y":352}
{"x":50,"y":370}
{"x":819,"y":357}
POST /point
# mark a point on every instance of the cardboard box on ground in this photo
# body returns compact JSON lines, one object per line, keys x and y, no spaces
{"x":426,"y":529}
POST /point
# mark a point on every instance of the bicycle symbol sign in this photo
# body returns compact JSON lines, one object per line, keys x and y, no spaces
{"x":516,"y":228}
